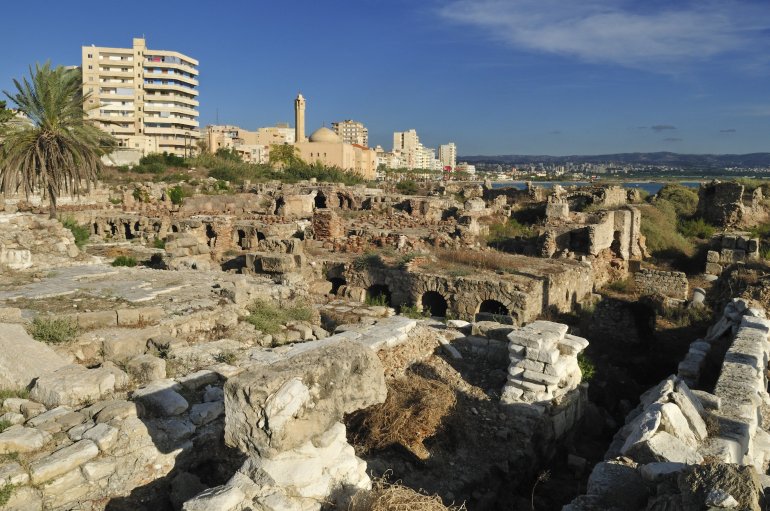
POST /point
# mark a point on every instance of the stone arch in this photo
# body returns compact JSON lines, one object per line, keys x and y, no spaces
{"x":211,"y":235}
{"x":320,"y":201}
{"x":96,"y":229}
{"x":261,"y":236}
{"x":489,"y":308}
{"x":127,"y":229}
{"x":243,"y":241}
{"x":137,"y":227}
{"x":435,"y":303}
{"x":337,"y":283}
{"x":378,"y":293}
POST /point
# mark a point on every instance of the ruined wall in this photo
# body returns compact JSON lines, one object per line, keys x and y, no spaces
{"x":673,"y":284}
{"x":727,"y":249}
{"x":34,"y":241}
{"x":721,"y":203}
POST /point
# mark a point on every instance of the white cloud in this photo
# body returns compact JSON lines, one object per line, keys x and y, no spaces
{"x":617,"y":31}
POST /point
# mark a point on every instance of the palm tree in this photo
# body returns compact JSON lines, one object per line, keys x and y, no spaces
{"x":59,"y":150}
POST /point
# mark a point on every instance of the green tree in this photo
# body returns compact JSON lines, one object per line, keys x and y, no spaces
{"x":285,"y":155}
{"x":228,"y":154}
{"x":59,"y":150}
{"x":5,"y":114}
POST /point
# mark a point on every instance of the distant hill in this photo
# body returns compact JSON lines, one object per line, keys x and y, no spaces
{"x":661,"y":158}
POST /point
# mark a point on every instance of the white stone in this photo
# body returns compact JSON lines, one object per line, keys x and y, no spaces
{"x":674,"y":422}
{"x":161,"y":399}
{"x":73,"y":385}
{"x":62,"y":461}
{"x":286,"y":402}
{"x":13,"y":473}
{"x":203,"y":413}
{"x":721,"y":499}
{"x":103,"y":435}
{"x":22,"y":359}
{"x":99,"y":469}
{"x":21,"y":439}
{"x":220,"y":498}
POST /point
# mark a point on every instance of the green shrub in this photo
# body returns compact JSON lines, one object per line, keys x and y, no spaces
{"x":368,"y":260}
{"x":659,"y":226}
{"x":379,"y":300}
{"x":159,"y":243}
{"x":6,"y":393}
{"x":6,"y":492}
{"x":683,"y":199}
{"x":411,"y":311}
{"x":761,"y":231}
{"x":696,"y":228}
{"x":510,"y":229}
{"x":80,"y":232}
{"x":622,"y":286}
{"x":407,"y":187}
{"x":116,"y":200}
{"x":587,"y":367}
{"x":53,"y":330}
{"x":687,"y":316}
{"x":226,"y":357}
{"x":141,"y":195}
{"x":177,"y":194}
{"x":124,"y":261}
{"x":268,"y":316}
{"x":5,"y":425}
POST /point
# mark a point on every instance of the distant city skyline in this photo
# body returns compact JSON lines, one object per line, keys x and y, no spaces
{"x":550,"y":77}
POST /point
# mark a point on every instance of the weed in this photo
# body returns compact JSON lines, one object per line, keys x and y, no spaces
{"x":225,"y":357}
{"x":407,"y":187}
{"x":5,"y":425}
{"x":368,"y":260}
{"x":5,"y":494}
{"x":79,"y":232}
{"x":141,"y":195}
{"x":268,"y":317}
{"x":542,"y":477}
{"x":378,"y":300}
{"x":177,"y":194}
{"x":625,"y":286}
{"x":696,"y":228}
{"x":411,"y":311}
{"x":159,"y":243}
{"x":459,"y":272}
{"x":124,"y":261}
{"x":9,"y":393}
{"x":510,"y":229}
{"x":116,"y":200}
{"x":53,"y":330}
{"x":587,"y":367}
{"x":687,"y":316}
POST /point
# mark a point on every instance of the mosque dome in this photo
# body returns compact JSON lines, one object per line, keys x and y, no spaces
{"x":326,"y":135}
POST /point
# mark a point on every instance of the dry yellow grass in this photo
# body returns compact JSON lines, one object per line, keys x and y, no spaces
{"x":385,"y":496}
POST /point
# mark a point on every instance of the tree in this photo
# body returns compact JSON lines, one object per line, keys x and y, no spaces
{"x":5,"y":114}
{"x":285,"y":155}
{"x":59,"y":150}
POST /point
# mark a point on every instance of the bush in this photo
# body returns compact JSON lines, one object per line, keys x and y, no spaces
{"x":407,"y":187}
{"x":380,"y":300}
{"x":659,"y":226}
{"x":587,"y":367}
{"x":53,"y":330}
{"x":269,"y":317}
{"x":368,"y":260}
{"x":696,"y":228}
{"x":177,"y":194}
{"x":226,"y":357}
{"x":687,"y":316}
{"x":385,"y":496}
{"x":683,"y":199}
{"x":80,"y":232}
{"x":510,"y":229}
{"x":124,"y":261}
{"x":159,"y":243}
{"x":6,"y":492}
{"x":622,"y":286}
{"x":6,"y":393}
{"x":4,"y":425}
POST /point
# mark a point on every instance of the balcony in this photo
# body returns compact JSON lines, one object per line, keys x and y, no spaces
{"x":177,"y":98}
{"x":171,"y":87}
{"x":149,"y":107}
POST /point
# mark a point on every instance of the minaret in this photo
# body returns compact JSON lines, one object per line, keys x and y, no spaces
{"x":299,"y":119}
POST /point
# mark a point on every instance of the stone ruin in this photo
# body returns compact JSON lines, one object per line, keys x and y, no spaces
{"x":730,"y":248}
{"x":729,"y":204}
{"x":689,"y":448}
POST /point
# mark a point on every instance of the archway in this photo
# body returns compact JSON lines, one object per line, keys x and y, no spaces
{"x":433,"y":302}
{"x":491,"y":309}
{"x":378,"y":294}
{"x":211,"y":235}
{"x":320,"y":201}
{"x":127,"y":228}
{"x":242,"y":241}
{"x":337,"y":282}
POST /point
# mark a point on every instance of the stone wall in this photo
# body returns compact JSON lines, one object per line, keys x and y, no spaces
{"x":327,"y":225}
{"x":674,"y":284}
{"x":34,"y":241}
{"x":730,"y":248}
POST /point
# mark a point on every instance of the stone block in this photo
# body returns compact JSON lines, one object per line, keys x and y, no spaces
{"x":663,"y":446}
{"x":161,"y":399}
{"x":103,"y":435}
{"x":146,"y":368}
{"x":619,"y":484}
{"x":98,"y":319}
{"x":713,"y":268}
{"x":22,"y":359}
{"x":674,"y":422}
{"x":99,"y":469}
{"x":546,"y":356}
{"x":141,"y":316}
{"x":73,"y":385}
{"x":62,"y":461}
{"x":203,"y":413}
{"x":198,"y":379}
{"x":712,"y":256}
{"x":124,"y":344}
{"x":277,"y":407}
{"x":275,"y":263}
{"x":21,"y":439}
{"x":13,"y":473}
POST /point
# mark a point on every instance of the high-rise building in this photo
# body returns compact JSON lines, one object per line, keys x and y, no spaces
{"x":413,"y":154}
{"x":352,"y":132}
{"x":447,"y":154}
{"x":148,"y":99}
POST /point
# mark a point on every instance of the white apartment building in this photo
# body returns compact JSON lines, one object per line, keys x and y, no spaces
{"x":447,"y":154}
{"x":413,"y":153}
{"x":352,"y":132}
{"x":147,"y":99}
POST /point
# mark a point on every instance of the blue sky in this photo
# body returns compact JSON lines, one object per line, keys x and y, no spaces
{"x":494,"y":76}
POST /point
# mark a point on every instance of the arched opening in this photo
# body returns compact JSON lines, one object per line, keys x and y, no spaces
{"x":279,"y":204}
{"x":320,"y":201}
{"x":490,"y":309}
{"x":435,"y":303}
{"x":127,"y":228}
{"x":156,"y":227}
{"x":96,"y":229}
{"x":136,"y":227}
{"x":242,"y":241}
{"x":378,"y":294}
{"x":260,"y":236}
{"x":114,"y":229}
{"x":174,"y":228}
{"x":211,"y":235}
{"x":337,"y":282}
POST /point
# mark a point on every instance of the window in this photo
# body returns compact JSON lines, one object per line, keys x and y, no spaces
{"x":90,"y":55}
{"x":90,"y":67}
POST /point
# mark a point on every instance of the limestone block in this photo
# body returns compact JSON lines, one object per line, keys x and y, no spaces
{"x":21,"y":439}
{"x":708,"y":401}
{"x":73,"y":385}
{"x":98,"y":319}
{"x":161,"y":399}
{"x":571,"y":345}
{"x":220,"y":498}
{"x":275,"y":263}
{"x":213,"y":394}
{"x":713,"y":268}
{"x":546,"y":356}
{"x":619,"y":484}
{"x":198,"y":379}
{"x":203,"y":413}
{"x":276,"y":407}
{"x":25,"y":498}
{"x":62,"y":461}
{"x":674,"y":422}
{"x":13,"y":473}
{"x":97,"y":470}
{"x":663,"y":446}
{"x":123,"y":344}
{"x":712,"y":256}
{"x":643,"y":427}
{"x":22,"y":359}
{"x":13,"y":404}
{"x":692,"y":409}
{"x":103,"y":435}
{"x":654,"y":472}
{"x":49,"y":416}
{"x":143,"y":315}
{"x":31,"y":409}
{"x":116,"y":410}
{"x":528,"y":339}
{"x":146,"y":368}
{"x":12,"y":418}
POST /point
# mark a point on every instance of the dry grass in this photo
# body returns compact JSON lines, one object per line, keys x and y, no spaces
{"x":385,"y":496}
{"x":413,"y":411}
{"x":476,"y":259}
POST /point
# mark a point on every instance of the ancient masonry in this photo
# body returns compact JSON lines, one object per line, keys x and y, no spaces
{"x":674,"y":429}
{"x":727,"y":249}
{"x":544,"y":363}
{"x":673,"y":284}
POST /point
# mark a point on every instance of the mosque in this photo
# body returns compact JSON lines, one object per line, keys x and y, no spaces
{"x":325,"y":146}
